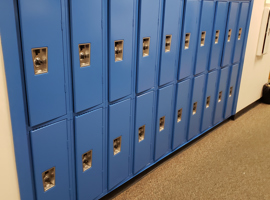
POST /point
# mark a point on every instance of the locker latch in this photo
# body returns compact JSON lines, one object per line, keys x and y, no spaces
{"x":203,"y":35}
{"x":194,"y":110}
{"x":187,"y":39}
{"x":168,"y":43}
{"x":208,"y":102}
{"x":48,"y":178}
{"x":239,"y":33}
{"x":84,"y":53}
{"x":118,"y":50}
{"x":141,"y":133}
{"x":231,"y":91}
{"x":219,"y":96}
{"x":179,"y":115}
{"x":217,"y":36}
{"x":40,"y":60}
{"x":146,"y":46}
{"x":87,"y":160}
{"x":117,"y":145}
{"x":229,"y":35}
{"x":162,"y":123}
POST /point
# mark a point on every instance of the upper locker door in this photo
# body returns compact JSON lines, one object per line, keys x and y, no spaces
{"x":189,"y":38}
{"x":43,"y":59}
{"x":230,"y":34}
{"x":241,"y":30}
{"x":204,"y":37}
{"x":170,"y":40}
{"x":148,"y":44}
{"x":86,"y":18}
{"x":121,"y":34}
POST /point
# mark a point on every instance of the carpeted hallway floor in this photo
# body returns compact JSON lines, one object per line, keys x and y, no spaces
{"x":230,"y":162}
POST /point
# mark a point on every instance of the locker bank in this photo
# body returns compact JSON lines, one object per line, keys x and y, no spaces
{"x":101,"y":90}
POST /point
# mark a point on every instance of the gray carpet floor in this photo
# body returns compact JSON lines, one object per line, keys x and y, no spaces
{"x":230,"y":162}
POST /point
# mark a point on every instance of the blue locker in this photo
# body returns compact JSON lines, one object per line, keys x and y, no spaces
{"x":164,"y":123}
{"x":218,"y":35}
{"x":87,"y":45}
{"x":43,"y":59}
{"x":148,"y":44}
{"x":189,"y":38}
{"x":230,"y":33}
{"x":204,"y":37}
{"x":143,"y":131}
{"x":50,"y":161}
{"x":221,"y":95}
{"x":181,"y":112}
{"x":196,"y":107}
{"x":241,"y":30}
{"x":209,"y":100}
{"x":119,"y":140}
{"x":121,"y":49}
{"x":173,"y":14}
{"x":231,"y":91}
{"x":88,"y":147}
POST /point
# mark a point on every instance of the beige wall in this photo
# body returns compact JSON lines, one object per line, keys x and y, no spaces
{"x":9,"y":189}
{"x":256,"y":69}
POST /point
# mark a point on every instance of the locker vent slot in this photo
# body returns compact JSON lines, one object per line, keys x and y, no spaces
{"x":84,"y":53}
{"x":203,"y":38}
{"x":239,"y":33}
{"x":117,"y":145}
{"x":179,"y":115}
{"x":146,"y":46}
{"x":217,"y":36}
{"x":194,"y":108}
{"x":40,"y":60}
{"x":219,"y":96}
{"x":231,"y":91}
{"x":141,"y":133}
{"x":118,"y":50}
{"x":208,"y":102}
{"x":48,"y":178}
{"x":161,"y":123}
{"x":168,"y":43}
{"x":229,"y":35}
{"x":187,"y":39}
{"x":87,"y":160}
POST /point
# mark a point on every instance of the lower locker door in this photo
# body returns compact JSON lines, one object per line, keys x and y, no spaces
{"x":209,"y":100}
{"x":88,"y":141}
{"x":221,"y":94}
{"x":231,"y":91}
{"x":196,"y":107}
{"x":164,"y":123}
{"x":181,"y":113}
{"x":50,"y":161}
{"x":119,"y":142}
{"x":143,"y":131}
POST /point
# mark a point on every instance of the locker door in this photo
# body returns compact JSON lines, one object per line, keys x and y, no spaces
{"x":221,"y":94}
{"x":50,"y":161}
{"x":170,"y":40}
{"x":164,"y":123}
{"x":121,"y":31}
{"x":196,"y":106}
{"x":143,"y":131}
{"x":209,"y":100}
{"x":88,"y":141}
{"x":241,"y":30}
{"x":230,"y":34}
{"x":218,"y":35}
{"x":119,"y":140}
{"x":43,"y":59}
{"x":86,"y":18}
{"x":231,"y":91}
{"x":189,"y":38}
{"x":181,"y":113}
{"x":204,"y":37}
{"x":147,"y":44}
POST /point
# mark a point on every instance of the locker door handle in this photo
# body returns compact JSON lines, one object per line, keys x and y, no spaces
{"x":194,"y":110}
{"x":118,"y":50}
{"x":141,"y":133}
{"x":117,"y":145}
{"x":146,"y":46}
{"x":84,"y":54}
{"x":229,"y":35}
{"x":219,"y":96}
{"x":239,"y":33}
{"x":40,"y":57}
{"x":203,"y":35}
{"x":187,"y":40}
{"x":217,"y":36}
{"x":231,"y":91}
{"x":87,"y":160}
{"x":208,"y":102}
{"x":161,"y":123}
{"x":179,"y":115}
{"x":48,"y":178}
{"x":168,"y":42}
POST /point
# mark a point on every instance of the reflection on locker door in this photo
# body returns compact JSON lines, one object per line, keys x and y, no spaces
{"x":231,"y":91}
{"x":119,"y":140}
{"x":50,"y":161}
{"x":181,"y":112}
{"x":240,"y":34}
{"x":221,"y":94}
{"x":231,"y":33}
{"x":143,"y":131}
{"x":204,"y":37}
{"x":43,"y":59}
{"x":170,"y":40}
{"x":209,"y":100}
{"x":196,"y":107}
{"x":121,"y":32}
{"x":163,"y":121}
{"x":218,"y":35}
{"x":189,"y":38}
{"x":88,"y":146}
{"x":147,"y":43}
{"x":86,"y":18}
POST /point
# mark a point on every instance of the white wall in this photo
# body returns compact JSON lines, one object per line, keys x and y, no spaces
{"x":256,"y":69}
{"x":9,"y":189}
